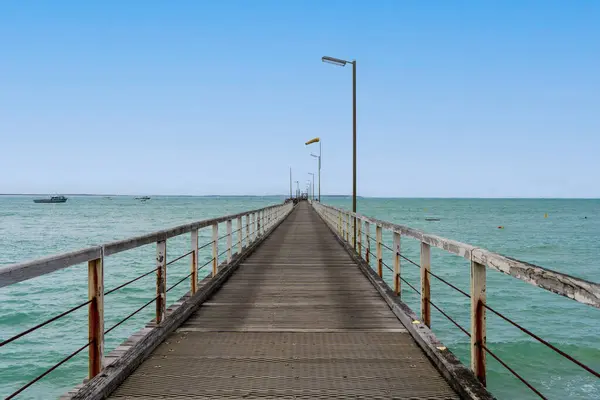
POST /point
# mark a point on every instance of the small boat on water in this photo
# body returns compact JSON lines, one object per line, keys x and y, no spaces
{"x":53,"y":199}
{"x":144,"y":198}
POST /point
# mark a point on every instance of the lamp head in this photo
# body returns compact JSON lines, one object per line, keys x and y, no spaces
{"x":334,"y":61}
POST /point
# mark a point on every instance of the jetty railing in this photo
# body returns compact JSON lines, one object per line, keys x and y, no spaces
{"x":355,"y":230}
{"x":251,"y":226}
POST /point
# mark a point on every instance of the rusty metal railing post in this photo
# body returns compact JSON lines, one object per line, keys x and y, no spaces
{"x":247,"y":230}
{"x":478,"y":328}
{"x":425,"y":284}
{"x":215,"y":249}
{"x":194,"y":263}
{"x":359,"y":237}
{"x":258,"y":225}
{"x":379,"y":255}
{"x":239,"y":235}
{"x":368,"y":237}
{"x":229,"y":241}
{"x":397,"y":285}
{"x":161,"y":280}
{"x":347,"y":225}
{"x":96,"y":316}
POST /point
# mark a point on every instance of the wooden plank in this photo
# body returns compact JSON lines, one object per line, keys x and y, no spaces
{"x":95,"y":316}
{"x":425,"y":284}
{"x":295,"y":349}
{"x":478,"y":323}
{"x":31,"y":269}
{"x":161,"y":279}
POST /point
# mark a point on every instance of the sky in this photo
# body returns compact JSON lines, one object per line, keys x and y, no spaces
{"x":454,"y":99}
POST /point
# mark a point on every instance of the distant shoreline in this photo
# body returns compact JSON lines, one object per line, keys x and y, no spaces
{"x":339,"y":196}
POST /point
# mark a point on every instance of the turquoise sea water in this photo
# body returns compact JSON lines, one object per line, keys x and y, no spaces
{"x":566,"y":241}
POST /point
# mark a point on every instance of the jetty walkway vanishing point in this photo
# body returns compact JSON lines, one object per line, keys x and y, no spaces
{"x":297,"y":308}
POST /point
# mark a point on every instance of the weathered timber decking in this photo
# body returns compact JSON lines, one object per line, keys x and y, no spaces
{"x":298,"y":319}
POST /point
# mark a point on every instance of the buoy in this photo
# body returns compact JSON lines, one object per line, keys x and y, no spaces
{"x":546,"y":215}
{"x":500,"y":227}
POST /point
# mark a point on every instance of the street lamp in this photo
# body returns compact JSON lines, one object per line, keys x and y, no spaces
{"x":315,"y":140}
{"x":313,"y":184}
{"x":342,"y":63}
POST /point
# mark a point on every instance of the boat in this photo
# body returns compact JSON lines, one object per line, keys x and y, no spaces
{"x":53,"y":199}
{"x":143,"y":198}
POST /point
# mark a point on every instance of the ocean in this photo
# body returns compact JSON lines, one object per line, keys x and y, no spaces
{"x":562,"y":235}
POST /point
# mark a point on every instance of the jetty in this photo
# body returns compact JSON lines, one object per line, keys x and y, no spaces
{"x":294,"y":305}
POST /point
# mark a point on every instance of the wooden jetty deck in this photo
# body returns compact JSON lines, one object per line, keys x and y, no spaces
{"x":298,"y":319}
{"x":295,"y":307}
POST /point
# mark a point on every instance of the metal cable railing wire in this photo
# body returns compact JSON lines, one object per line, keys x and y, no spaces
{"x":512,"y":371}
{"x":36,"y":327}
{"x":129,"y":282}
{"x":179,"y":281}
{"x":64,"y":360}
{"x":180,"y":257}
{"x":206,"y":245}
{"x":387,"y":266}
{"x":208,"y":262}
{"x":437,"y":277}
{"x":61,"y":362}
{"x":523,"y":329}
{"x":539,"y":339}
{"x":106,"y":332}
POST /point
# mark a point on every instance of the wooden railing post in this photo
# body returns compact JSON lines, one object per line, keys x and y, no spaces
{"x":194,"y":263}
{"x":351,"y":233}
{"x":368,"y":237}
{"x":397,"y":285}
{"x":215,"y":249}
{"x":258,"y":225}
{"x":425,"y":287}
{"x":347,"y":227}
{"x":359,"y":236}
{"x":247,"y":230}
{"x":478,"y":334}
{"x":229,"y":241}
{"x":161,"y":280}
{"x":239,"y":235}
{"x":253,"y":234}
{"x":95,"y":316}
{"x":340,"y":226}
{"x":379,"y":256}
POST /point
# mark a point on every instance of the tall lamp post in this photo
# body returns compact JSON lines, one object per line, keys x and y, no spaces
{"x":342,"y":63}
{"x":317,"y":140}
{"x":313,"y":184}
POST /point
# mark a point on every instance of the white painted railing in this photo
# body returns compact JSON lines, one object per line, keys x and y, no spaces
{"x":342,"y":222}
{"x":257,"y":224}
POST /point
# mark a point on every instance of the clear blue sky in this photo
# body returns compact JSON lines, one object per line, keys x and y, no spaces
{"x":455,"y":99}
